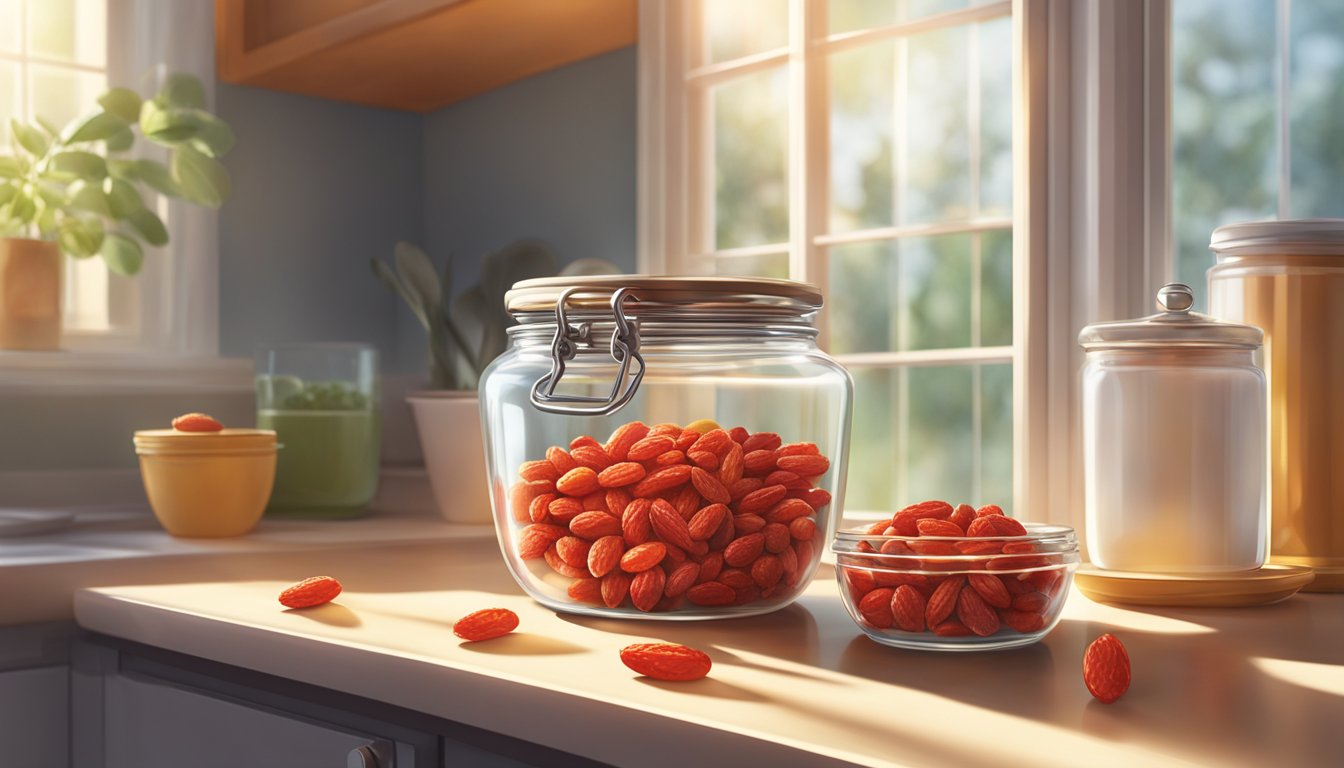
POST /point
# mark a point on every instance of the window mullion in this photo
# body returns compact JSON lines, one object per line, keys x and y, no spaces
{"x":808,"y":146}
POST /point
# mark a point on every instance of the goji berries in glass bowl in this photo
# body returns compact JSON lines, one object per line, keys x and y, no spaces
{"x":914,"y":582}
{"x":666,"y":448}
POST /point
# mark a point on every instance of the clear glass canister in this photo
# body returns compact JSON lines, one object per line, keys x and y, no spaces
{"x":664,"y":447}
{"x":1174,"y":441}
{"x":1287,"y":277}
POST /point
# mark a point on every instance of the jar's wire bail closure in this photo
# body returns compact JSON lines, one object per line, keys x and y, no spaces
{"x":624,"y":350}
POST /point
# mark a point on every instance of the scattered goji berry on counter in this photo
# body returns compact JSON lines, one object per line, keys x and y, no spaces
{"x":1106,"y":669}
{"x":666,"y":661}
{"x":316,"y":590}
{"x":486,"y":624}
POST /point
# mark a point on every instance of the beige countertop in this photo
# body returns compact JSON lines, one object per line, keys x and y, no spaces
{"x":802,"y":686}
{"x":125,"y":545}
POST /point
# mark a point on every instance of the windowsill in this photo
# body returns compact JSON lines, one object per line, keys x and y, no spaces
{"x":82,"y":371}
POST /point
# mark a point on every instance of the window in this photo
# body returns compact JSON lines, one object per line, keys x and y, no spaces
{"x":1256,"y":118}
{"x":56,"y":57}
{"x":865,"y":147}
{"x":53,"y":65}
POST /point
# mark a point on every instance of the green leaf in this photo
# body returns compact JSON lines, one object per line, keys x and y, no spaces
{"x":21,"y":209}
{"x":202,"y":179}
{"x":7,"y":192}
{"x":97,"y":127}
{"x":205,"y":133}
{"x":29,"y":138}
{"x":80,"y":237}
{"x":150,"y":227}
{"x":418,"y":275}
{"x":84,"y":165}
{"x":46,"y":126}
{"x":121,"y":140}
{"x":12,"y":167}
{"x":122,"y":198}
{"x":122,"y":102}
{"x":181,"y":90}
{"x":122,"y":169}
{"x":122,"y":254}
{"x":214,"y":137}
{"x":157,"y":176}
{"x":86,"y":196}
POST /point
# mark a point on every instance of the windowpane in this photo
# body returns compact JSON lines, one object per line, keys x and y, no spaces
{"x":10,"y":100}
{"x":69,"y":30}
{"x":10,"y":27}
{"x":909,"y":294}
{"x":765,"y":265}
{"x":1223,"y":115}
{"x":1317,"y":100}
{"x":60,"y":95}
{"x":994,"y":44}
{"x":996,"y":436}
{"x":751,"y":194}
{"x":914,"y":436}
{"x":996,"y":288}
{"x":86,"y":299}
{"x":742,"y":27}
{"x":900,"y":139}
{"x":850,"y":15}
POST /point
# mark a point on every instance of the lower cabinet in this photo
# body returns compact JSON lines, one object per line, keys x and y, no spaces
{"x":155,"y":724}
{"x":135,"y":706}
{"x":34,"y":717}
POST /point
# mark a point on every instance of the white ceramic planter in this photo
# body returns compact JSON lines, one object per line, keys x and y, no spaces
{"x":449,"y":424}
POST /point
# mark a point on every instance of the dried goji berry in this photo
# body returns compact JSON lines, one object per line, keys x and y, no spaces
{"x":309,"y":592}
{"x":666,"y":661}
{"x":486,"y":624}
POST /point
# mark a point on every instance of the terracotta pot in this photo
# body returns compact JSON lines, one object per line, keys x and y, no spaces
{"x":30,"y":294}
{"x":449,"y":424}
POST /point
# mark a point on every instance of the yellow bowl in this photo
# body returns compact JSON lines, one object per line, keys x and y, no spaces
{"x":207,"y":484}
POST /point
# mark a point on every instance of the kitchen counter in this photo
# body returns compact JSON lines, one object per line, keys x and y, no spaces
{"x":798,"y":687}
{"x":125,"y":545}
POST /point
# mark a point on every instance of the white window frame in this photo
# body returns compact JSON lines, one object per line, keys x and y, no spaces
{"x":176,"y":294}
{"x":1090,"y":219}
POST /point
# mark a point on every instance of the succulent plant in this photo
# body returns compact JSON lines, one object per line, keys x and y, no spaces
{"x":467,"y":333}
{"x":80,"y":188}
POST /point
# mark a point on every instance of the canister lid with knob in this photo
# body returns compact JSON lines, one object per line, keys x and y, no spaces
{"x":1175,"y":325}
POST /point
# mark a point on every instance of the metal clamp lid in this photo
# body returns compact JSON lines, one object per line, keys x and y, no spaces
{"x":1176,"y":325}
{"x":624,"y":350}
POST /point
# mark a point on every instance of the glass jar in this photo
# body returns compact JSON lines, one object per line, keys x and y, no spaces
{"x":1287,"y":277}
{"x":321,"y":400}
{"x":664,"y":447}
{"x":1174,"y":441}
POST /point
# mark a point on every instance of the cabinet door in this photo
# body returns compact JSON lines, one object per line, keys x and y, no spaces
{"x":153,"y":724}
{"x":35,"y":717}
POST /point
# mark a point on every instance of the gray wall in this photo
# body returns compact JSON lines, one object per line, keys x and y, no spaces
{"x":318,"y":187}
{"x":551,"y":157}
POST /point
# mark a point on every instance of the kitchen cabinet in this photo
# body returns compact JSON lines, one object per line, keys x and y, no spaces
{"x":145,"y":707}
{"x":416,"y":55}
{"x":33,"y":722}
{"x":34,"y":696}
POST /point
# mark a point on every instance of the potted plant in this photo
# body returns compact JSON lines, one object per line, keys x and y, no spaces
{"x":77,"y":191}
{"x":465,"y":335}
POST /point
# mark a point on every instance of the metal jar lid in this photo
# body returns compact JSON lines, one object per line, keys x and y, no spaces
{"x":1305,"y":237}
{"x":680,"y":298}
{"x":624,"y":302}
{"x":1174,"y":326}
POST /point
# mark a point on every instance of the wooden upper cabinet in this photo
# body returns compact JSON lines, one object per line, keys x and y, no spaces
{"x":416,"y":55}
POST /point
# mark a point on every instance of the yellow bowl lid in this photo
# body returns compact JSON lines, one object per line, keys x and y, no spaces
{"x":223,"y":441}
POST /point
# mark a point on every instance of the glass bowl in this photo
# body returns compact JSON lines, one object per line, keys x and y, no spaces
{"x":956,"y":593}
